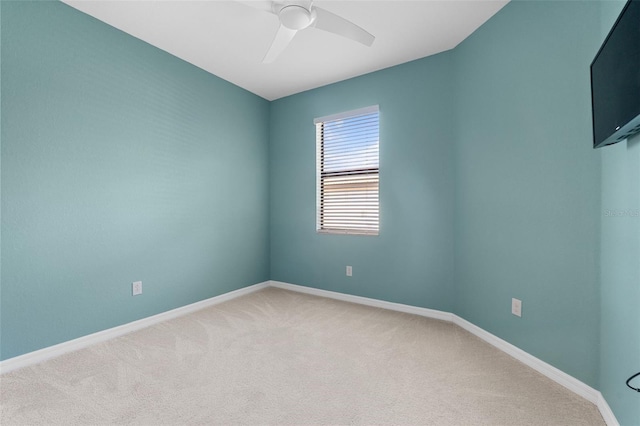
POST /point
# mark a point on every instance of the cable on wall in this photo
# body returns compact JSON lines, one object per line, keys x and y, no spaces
{"x":629,"y":381}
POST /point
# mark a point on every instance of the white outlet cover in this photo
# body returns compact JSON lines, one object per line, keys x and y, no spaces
{"x":516,"y":307}
{"x":136,"y":288}
{"x":349,"y":271}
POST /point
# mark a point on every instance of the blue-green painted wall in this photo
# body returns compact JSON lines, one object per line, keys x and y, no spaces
{"x":506,"y":172}
{"x":620,"y":291}
{"x":411,"y":261}
{"x":0,"y":182}
{"x":527,"y":182}
{"x":512,"y":166}
{"x":620,"y":265}
{"x":120,"y":163}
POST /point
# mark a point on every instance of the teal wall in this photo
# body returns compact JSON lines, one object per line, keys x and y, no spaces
{"x":487,"y":146}
{"x":620,"y":266}
{"x":527,"y":182}
{"x":620,"y":269}
{"x":506,"y":173}
{"x":411,"y":261}
{"x":120,"y":163}
{"x":0,"y":181}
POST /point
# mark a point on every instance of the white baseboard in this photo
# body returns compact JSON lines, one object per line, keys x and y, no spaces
{"x":542,"y":367}
{"x":558,"y":376}
{"x":569,"y":382}
{"x":606,"y":412}
{"x":44,"y":354}
{"x":424,"y":312}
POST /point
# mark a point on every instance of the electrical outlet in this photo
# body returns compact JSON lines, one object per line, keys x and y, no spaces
{"x":349,"y":271}
{"x":136,"y":288}
{"x":516,"y":307}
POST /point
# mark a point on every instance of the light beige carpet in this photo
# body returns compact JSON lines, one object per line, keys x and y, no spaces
{"x":278,"y":357}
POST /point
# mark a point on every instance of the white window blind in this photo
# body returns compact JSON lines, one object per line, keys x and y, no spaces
{"x":348,"y":175}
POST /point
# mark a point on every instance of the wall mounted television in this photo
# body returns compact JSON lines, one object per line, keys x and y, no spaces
{"x":615,"y":80}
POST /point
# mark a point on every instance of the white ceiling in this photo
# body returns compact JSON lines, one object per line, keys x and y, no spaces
{"x":229,"y":38}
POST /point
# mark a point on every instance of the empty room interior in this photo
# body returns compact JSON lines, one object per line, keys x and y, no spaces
{"x":168,"y":254}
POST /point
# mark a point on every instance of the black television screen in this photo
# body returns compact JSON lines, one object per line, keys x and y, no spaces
{"x":615,"y":80}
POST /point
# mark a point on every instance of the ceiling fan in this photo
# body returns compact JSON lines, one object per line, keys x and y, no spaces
{"x":296,"y":15}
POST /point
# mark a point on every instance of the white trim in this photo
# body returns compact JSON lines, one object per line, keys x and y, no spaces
{"x":605,"y":411}
{"x":44,"y":354}
{"x":424,"y":312}
{"x":542,"y":367}
{"x":350,"y":130}
{"x":347,"y":114}
{"x":558,"y":376}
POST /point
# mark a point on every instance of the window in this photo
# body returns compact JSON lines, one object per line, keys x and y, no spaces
{"x":347,"y":167}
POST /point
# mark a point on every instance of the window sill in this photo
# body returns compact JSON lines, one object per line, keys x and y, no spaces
{"x":347,"y":232}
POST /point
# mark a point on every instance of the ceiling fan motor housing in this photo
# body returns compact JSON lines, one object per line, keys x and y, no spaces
{"x":296,"y":16}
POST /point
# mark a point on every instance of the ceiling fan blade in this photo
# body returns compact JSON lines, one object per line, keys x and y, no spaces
{"x":280,"y":42}
{"x":333,"y":23}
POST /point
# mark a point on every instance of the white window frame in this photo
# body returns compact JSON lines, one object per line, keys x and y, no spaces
{"x":358,"y":226}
